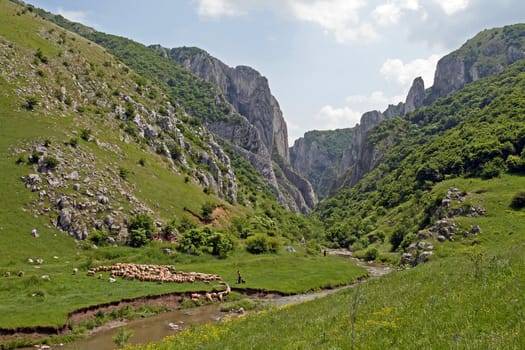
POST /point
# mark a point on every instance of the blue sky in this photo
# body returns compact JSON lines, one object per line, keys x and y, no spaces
{"x":327,"y":61}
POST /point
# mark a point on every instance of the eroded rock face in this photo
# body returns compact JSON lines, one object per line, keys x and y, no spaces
{"x":259,"y":127}
{"x":416,"y":96}
{"x":317,"y":155}
{"x":360,"y":157}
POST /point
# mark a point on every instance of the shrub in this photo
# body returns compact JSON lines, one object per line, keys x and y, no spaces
{"x":259,"y":244}
{"x":33,"y":158}
{"x":221,"y":244}
{"x":85,"y":134}
{"x":73,"y":142}
{"x":142,"y":221}
{"x":40,"y":57}
{"x":31,"y":103}
{"x":123,"y":173}
{"x":138,"y":237}
{"x":518,"y":201}
{"x":99,"y":237}
{"x":371,"y":254}
{"x":194,"y":241}
{"x":50,"y":162}
{"x":207,"y":210}
{"x":186,"y":224}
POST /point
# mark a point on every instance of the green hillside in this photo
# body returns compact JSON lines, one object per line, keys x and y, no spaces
{"x":90,"y":146}
{"x":452,"y":170}
{"x":478,"y":132}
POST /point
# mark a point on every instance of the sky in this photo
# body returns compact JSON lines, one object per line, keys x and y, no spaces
{"x":327,"y":61}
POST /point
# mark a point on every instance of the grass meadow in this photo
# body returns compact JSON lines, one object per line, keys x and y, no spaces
{"x":468,"y":296}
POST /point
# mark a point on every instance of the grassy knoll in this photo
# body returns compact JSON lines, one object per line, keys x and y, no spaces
{"x":469,"y":296}
{"x":74,"y":85}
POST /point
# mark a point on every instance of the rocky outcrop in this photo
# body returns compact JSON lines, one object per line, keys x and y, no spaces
{"x":317,"y":155}
{"x":394,"y":110}
{"x":416,"y":96}
{"x":258,"y":127}
{"x":486,"y":54}
{"x":360,"y":157}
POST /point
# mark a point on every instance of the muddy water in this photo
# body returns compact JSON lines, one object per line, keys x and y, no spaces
{"x":149,"y":329}
{"x":157,"y":327}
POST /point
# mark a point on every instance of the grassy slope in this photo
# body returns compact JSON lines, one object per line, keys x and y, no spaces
{"x":155,"y":184}
{"x":469,"y":297}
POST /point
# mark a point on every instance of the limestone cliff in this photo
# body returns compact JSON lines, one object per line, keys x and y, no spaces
{"x":360,"y":157}
{"x":486,"y":54}
{"x":259,"y":126}
{"x":317,"y":156}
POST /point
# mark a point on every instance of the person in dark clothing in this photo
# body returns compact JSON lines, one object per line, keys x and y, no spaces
{"x":239,"y":278}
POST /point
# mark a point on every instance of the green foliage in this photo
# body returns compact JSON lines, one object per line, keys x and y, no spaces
{"x":138,"y":237}
{"x":40,"y":57}
{"x":123,"y":173}
{"x":260,"y":244}
{"x":99,"y":238}
{"x":73,"y":142}
{"x":122,"y":337}
{"x":85,"y":134}
{"x":141,"y":229}
{"x":371,"y":254}
{"x":50,"y":162}
{"x":207,"y":209}
{"x":31,"y":102}
{"x":205,"y":240}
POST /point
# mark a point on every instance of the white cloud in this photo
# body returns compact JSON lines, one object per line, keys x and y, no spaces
{"x":336,"y":118}
{"x":74,"y":16}
{"x":377,"y":100}
{"x":394,"y":69}
{"x":452,"y":6}
{"x":217,"y":8}
{"x":387,"y":14}
{"x":340,"y":17}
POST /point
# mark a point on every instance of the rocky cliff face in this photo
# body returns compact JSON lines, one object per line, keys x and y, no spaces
{"x":360,"y":157}
{"x":416,"y":95}
{"x":259,"y":127}
{"x":317,"y":156}
{"x":486,"y":54}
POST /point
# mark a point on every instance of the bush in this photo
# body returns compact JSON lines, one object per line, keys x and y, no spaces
{"x":50,"y":162}
{"x":194,"y":241}
{"x":73,"y":142}
{"x":138,"y":237}
{"x":207,"y":210}
{"x":31,"y":103}
{"x":371,"y":254}
{"x":221,"y":244}
{"x":518,"y":201}
{"x":99,"y":238}
{"x":85,"y":134}
{"x":260,"y":244}
{"x":141,"y":229}
{"x":123,"y":173}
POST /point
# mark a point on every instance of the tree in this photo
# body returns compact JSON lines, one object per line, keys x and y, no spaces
{"x":207,"y":210}
{"x":141,"y":229}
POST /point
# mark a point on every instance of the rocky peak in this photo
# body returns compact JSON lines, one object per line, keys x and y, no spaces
{"x":416,"y":95}
{"x":359,"y":158}
{"x":486,"y":54}
{"x":246,"y":89}
{"x":257,"y":127}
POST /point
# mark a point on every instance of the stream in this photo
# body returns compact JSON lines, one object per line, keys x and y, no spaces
{"x":154,"y":328}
